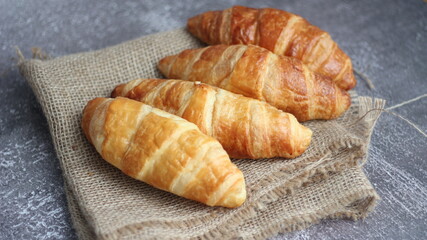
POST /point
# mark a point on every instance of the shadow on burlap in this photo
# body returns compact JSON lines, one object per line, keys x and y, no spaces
{"x":283,"y":195}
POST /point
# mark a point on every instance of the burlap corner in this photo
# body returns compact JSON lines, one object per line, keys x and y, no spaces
{"x":283,"y":195}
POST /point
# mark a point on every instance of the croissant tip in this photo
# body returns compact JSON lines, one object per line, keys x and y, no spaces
{"x":344,"y":102}
{"x":192,"y":24}
{"x":307,"y":135}
{"x":164,"y":64}
{"x":302,"y":136}
{"x":348,"y":81}
{"x":237,"y":197}
{"x":88,"y":112}
{"x":117,"y":91}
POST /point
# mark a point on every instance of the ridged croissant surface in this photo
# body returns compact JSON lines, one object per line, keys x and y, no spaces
{"x":246,"y":128}
{"x":279,"y":31}
{"x":163,"y":150}
{"x":255,"y":72}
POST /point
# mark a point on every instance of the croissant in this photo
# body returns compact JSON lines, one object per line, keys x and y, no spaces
{"x":246,"y":128}
{"x":163,"y":150}
{"x":279,"y":31}
{"x":255,"y":72}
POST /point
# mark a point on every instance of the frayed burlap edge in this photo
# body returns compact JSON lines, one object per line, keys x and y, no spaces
{"x":369,"y":197}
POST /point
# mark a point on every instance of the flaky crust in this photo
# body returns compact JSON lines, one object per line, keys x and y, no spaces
{"x":163,"y":150}
{"x":279,"y":31}
{"x":255,"y":72}
{"x":246,"y":128}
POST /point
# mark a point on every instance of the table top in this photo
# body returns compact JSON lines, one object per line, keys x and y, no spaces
{"x":387,"y":41}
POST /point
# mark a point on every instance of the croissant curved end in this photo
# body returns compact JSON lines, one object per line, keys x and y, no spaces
{"x":306,"y":134}
{"x":302,"y":135}
{"x":192,"y":24}
{"x":305,"y":138}
{"x":164,"y":64}
{"x":348,"y":81}
{"x":88,"y":113}
{"x":117,"y":92}
{"x":343,"y":102}
{"x":236,"y":195}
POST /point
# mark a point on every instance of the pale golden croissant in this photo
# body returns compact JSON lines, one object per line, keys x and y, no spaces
{"x":163,"y":150}
{"x":255,"y":72}
{"x":246,"y":128}
{"x":279,"y":31}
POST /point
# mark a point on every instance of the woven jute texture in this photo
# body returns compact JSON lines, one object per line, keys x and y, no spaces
{"x":283,"y":195}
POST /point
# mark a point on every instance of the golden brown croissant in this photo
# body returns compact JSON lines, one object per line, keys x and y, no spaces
{"x":279,"y":31}
{"x":246,"y":128}
{"x":255,"y":72}
{"x":163,"y":150}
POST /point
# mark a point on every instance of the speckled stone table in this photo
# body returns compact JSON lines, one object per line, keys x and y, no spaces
{"x":387,"y":41}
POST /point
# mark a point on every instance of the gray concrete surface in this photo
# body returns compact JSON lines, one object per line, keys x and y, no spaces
{"x":387,"y":41}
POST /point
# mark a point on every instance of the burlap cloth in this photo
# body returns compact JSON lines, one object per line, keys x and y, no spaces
{"x":283,"y":195}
